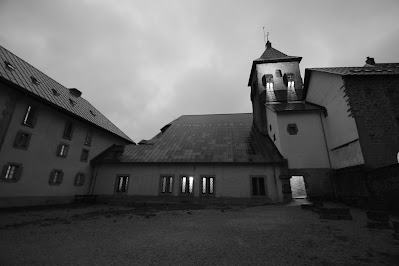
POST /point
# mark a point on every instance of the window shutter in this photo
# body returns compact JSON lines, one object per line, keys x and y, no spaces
{"x":18,"y":173}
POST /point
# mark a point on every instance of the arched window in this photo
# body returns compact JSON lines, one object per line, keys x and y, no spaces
{"x":267,"y":81}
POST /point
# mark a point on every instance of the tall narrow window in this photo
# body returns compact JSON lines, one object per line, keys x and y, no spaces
{"x":258,"y":186}
{"x":207,"y":185}
{"x":89,"y":137}
{"x":166,"y":184}
{"x":68,"y":130}
{"x":122,"y":183}
{"x":56,"y":177}
{"x":22,"y":140}
{"x":84,"y":156}
{"x":11,"y":172}
{"x":187,"y":185}
{"x":30,"y":116}
{"x":62,"y":150}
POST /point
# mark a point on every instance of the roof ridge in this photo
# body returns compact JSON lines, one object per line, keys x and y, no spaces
{"x":217,"y":114}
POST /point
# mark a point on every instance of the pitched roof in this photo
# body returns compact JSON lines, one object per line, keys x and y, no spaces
{"x":29,"y":79}
{"x":221,"y":138}
{"x":283,"y":107}
{"x":271,"y":55}
{"x":378,"y":69}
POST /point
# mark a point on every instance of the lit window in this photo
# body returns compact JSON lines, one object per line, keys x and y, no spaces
{"x":22,"y":140}
{"x":207,"y":185}
{"x":166,"y":184}
{"x":122,"y":183}
{"x":56,"y":177}
{"x":267,"y":81}
{"x":68,"y":130}
{"x":30,"y":116}
{"x":79,"y":179}
{"x":62,"y":150}
{"x":84,"y":156}
{"x":258,"y":186}
{"x":290,"y":80}
{"x":34,"y":80}
{"x":11,"y":172}
{"x":187,"y":185}
{"x":9,"y":66}
{"x":89,"y":137}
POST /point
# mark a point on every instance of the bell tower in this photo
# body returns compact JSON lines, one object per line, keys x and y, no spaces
{"x":275,"y":77}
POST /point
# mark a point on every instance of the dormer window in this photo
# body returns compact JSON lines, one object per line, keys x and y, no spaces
{"x":34,"y":80}
{"x":267,"y":81}
{"x":72,"y":102}
{"x":55,"y":92}
{"x":9,"y":66}
{"x":290,"y":79}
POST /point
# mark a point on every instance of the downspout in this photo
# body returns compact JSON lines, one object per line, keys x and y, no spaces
{"x":93,"y":179}
{"x":329,"y":159}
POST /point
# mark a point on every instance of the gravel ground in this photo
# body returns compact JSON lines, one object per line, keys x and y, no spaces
{"x":265,"y":235}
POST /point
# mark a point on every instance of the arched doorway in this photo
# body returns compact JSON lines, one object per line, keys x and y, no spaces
{"x":298,"y":188}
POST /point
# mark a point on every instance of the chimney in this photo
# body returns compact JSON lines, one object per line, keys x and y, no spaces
{"x":75,"y":92}
{"x":370,"y":61}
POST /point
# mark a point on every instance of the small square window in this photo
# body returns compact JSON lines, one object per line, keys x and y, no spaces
{"x":84,"y":156}
{"x":187,"y":185}
{"x":11,"y":172}
{"x":22,"y":140}
{"x":79,"y":179}
{"x":258,"y":186}
{"x":62,"y":150}
{"x":292,"y":129}
{"x":122,"y":183}
{"x":270,"y":127}
{"x":56,"y":177}
{"x":30,"y":116}
{"x":166,"y":184}
{"x":89,"y":137}
{"x":207,"y":185}
{"x":68,"y":130}
{"x":267,"y":81}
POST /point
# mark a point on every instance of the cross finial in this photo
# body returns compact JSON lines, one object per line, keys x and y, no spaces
{"x":265,"y":35}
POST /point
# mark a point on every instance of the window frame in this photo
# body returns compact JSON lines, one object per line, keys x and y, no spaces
{"x":80,"y":183}
{"x":187,"y":193}
{"x":59,"y":149}
{"x":17,"y":144}
{"x":118,"y":176}
{"x":16,"y":174}
{"x":68,"y":125}
{"x":60,"y":177}
{"x":258,"y":177}
{"x":167,"y":185}
{"x":268,"y":81}
{"x":32,"y":111}
{"x":89,"y":137}
{"x":292,"y":129}
{"x":207,"y":193}
{"x":82,"y":159}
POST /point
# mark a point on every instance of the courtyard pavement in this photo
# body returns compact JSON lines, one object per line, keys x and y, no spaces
{"x":263,"y":235}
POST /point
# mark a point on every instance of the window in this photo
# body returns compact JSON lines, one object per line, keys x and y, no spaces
{"x":278,"y":73}
{"x":122,"y":182}
{"x":207,"y":185}
{"x":68,"y":130}
{"x":274,"y":137}
{"x":270,"y":127}
{"x":11,"y":172}
{"x":84,"y":156}
{"x":62,"y":150}
{"x":267,"y":81}
{"x":290,"y":80}
{"x":79,"y":179}
{"x":34,"y":80}
{"x":187,"y":185}
{"x":22,"y":140}
{"x":166,"y":184}
{"x":89,"y":137}
{"x":292,"y":129}
{"x":56,"y":177}
{"x":72,"y":102}
{"x":30,"y":116}
{"x":55,"y":92}
{"x":258,"y":186}
{"x":9,"y":66}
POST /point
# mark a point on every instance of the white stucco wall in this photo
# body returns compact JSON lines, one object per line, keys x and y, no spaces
{"x":230,"y":180}
{"x":272,"y":121}
{"x":307,"y":148}
{"x":327,"y":90}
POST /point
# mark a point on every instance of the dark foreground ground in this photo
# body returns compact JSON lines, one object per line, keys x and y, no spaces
{"x":265,"y":235}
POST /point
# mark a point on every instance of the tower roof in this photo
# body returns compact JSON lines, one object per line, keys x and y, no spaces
{"x":271,"y":55}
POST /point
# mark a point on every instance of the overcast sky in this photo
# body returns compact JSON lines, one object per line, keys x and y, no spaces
{"x":144,"y":63}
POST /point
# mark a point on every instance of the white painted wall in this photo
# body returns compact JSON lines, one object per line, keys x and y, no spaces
{"x":230,"y":180}
{"x":272,"y":121}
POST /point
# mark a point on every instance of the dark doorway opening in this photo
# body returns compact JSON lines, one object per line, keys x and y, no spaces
{"x":298,"y":188}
